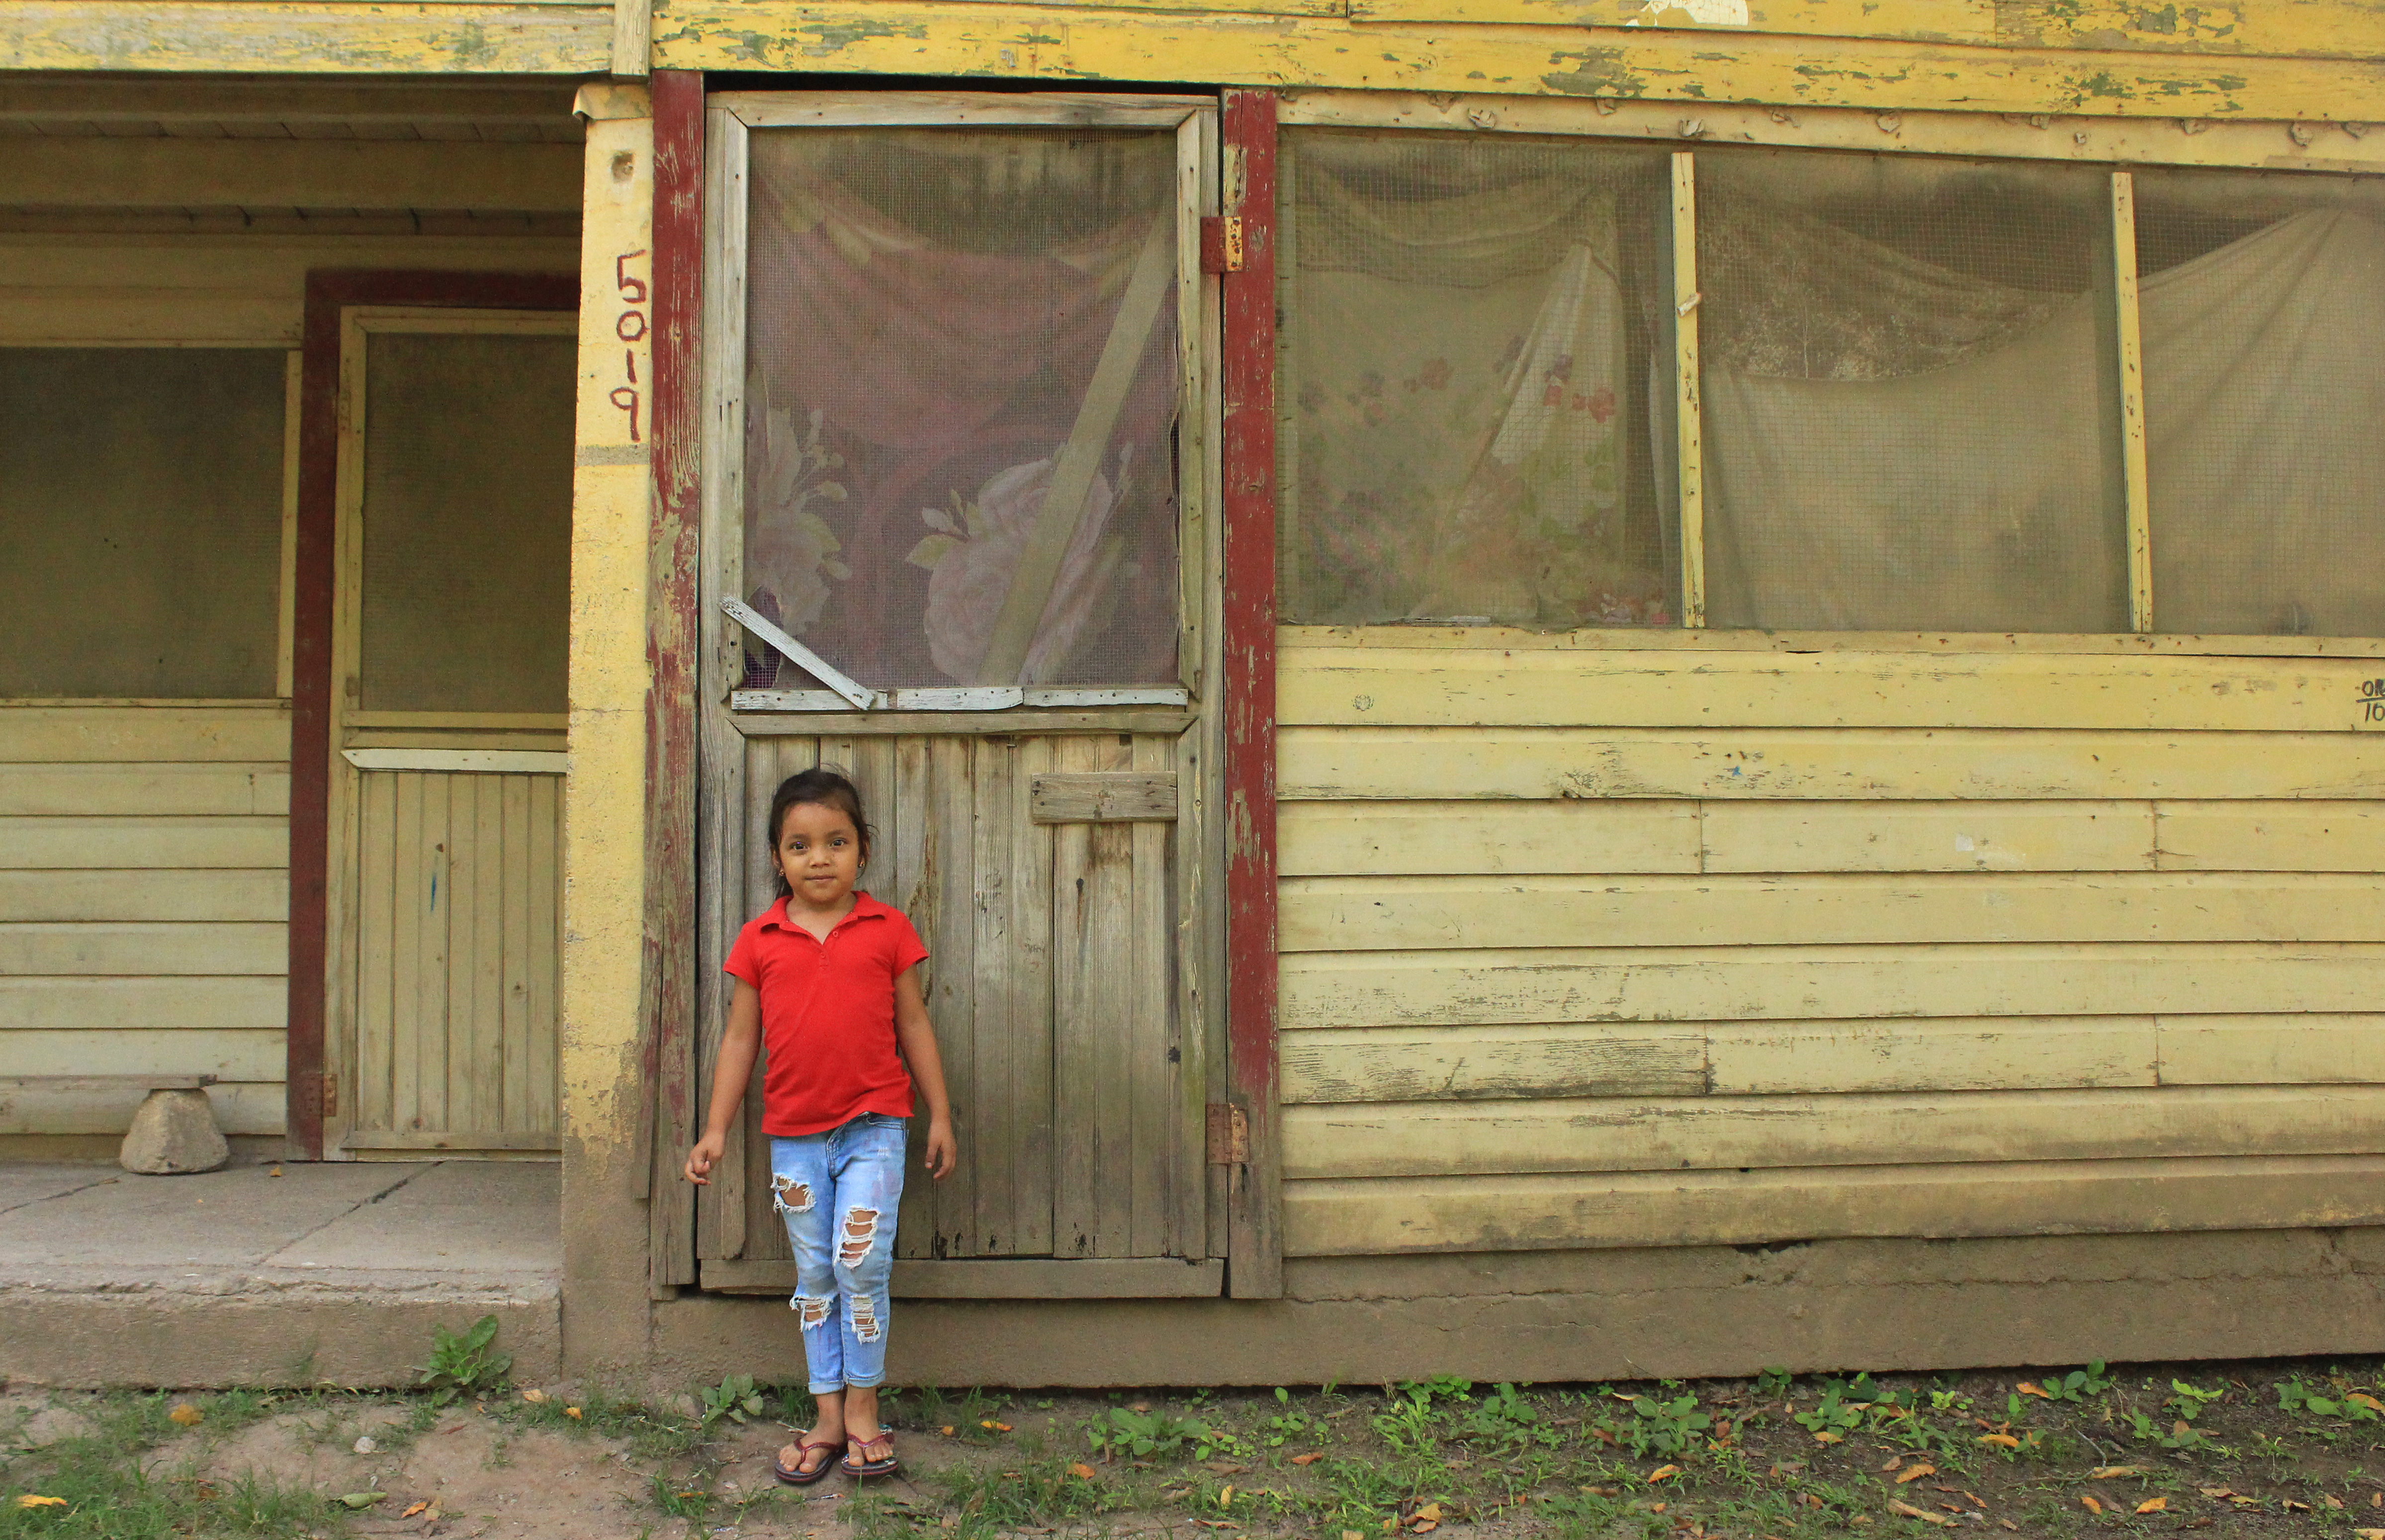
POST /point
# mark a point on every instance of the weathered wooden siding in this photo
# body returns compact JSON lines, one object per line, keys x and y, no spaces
{"x":144,"y":897}
{"x":1604,"y":946}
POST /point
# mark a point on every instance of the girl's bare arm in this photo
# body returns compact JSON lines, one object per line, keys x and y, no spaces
{"x":741,"y":1043}
{"x":917,"y":1036}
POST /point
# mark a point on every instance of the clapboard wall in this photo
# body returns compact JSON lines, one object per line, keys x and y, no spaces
{"x":143,"y":910}
{"x":1738,"y":940}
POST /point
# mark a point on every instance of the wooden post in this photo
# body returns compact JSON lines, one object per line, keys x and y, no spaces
{"x":1688,"y":408}
{"x":2132,"y":402}
{"x":1255,"y":1262}
{"x":673,"y":635}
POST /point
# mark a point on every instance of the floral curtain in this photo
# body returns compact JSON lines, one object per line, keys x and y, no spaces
{"x":925,"y":311}
{"x":1459,"y":351}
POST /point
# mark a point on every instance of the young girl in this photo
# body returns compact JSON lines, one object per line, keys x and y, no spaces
{"x":829,"y":978}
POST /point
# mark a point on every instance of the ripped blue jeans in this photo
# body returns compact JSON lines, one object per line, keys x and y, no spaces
{"x":838,"y":1192}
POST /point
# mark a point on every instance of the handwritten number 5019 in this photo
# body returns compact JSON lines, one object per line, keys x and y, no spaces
{"x":630,"y":327}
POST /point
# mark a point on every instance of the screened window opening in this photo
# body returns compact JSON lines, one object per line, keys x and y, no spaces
{"x":141,"y":490}
{"x":467,"y":450}
{"x":957,"y":338}
{"x":1911,"y":394}
{"x":2263,"y":298}
{"x":1477,"y":359}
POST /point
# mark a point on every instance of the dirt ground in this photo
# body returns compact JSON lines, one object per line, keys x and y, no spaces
{"x":2252,"y":1449}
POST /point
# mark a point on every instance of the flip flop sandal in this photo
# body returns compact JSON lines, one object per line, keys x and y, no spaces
{"x":867,"y":1468}
{"x":802,"y":1475}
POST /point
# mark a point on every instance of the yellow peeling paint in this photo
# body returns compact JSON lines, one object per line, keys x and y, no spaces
{"x":1021,"y":42}
{"x":279,"y":36}
{"x":605,"y":796}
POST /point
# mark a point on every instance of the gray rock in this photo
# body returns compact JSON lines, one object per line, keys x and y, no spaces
{"x":174,"y":1133}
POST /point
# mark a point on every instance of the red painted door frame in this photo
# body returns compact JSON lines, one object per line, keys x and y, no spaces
{"x":327,"y":293}
{"x":1255,"y":1246}
{"x":667,"y":989}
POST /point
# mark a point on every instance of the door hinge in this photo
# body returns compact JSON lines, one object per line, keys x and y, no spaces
{"x":1230,"y":1135}
{"x":1221,"y":244}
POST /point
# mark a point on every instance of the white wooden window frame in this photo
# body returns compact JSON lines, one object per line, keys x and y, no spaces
{"x":732,"y":117}
{"x":2114,"y":144}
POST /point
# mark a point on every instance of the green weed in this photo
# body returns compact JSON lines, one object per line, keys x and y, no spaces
{"x":465,"y":1364}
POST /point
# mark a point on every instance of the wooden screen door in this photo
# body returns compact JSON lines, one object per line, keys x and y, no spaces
{"x":958,"y":538}
{"x":448,"y":718}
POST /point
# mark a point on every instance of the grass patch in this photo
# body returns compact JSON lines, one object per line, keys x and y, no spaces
{"x":132,"y":1472}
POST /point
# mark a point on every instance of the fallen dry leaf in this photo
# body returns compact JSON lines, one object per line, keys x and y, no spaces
{"x":35,"y":1500}
{"x":2371,"y":1402}
{"x":2091,"y":1504}
{"x":2154,"y":1505}
{"x":534,"y":1396}
{"x":1655,"y":1507}
{"x":1352,"y":1534}
{"x":187,"y":1415}
{"x":1424,"y":1527}
{"x":573,"y":1412}
{"x":2001,"y":1440}
{"x":1830,"y":1437}
{"x":1081,"y":1470}
{"x":2293,"y":1507}
{"x":1663,"y":1472}
{"x":947,"y":1430}
{"x":2330,"y":1501}
{"x":1914,"y":1473}
{"x":1909,"y":1511}
{"x":1226,"y":1495}
{"x":2113,"y":1472}
{"x":1894,"y":1462}
{"x":1429,"y":1513}
{"x":2027,"y":1389}
{"x":365,"y":1499}
{"x":413,"y":1508}
{"x":1306,"y":1460}
{"x":2370,"y":1534}
{"x":994,"y":1426}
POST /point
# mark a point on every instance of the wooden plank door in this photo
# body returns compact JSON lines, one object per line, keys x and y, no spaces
{"x":448,"y":731}
{"x":1030,"y":735}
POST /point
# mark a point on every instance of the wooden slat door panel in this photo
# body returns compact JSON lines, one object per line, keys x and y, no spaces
{"x":458,"y":888}
{"x":1051,"y":982}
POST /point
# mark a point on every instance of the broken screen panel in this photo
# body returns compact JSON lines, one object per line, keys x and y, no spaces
{"x":960,"y":405}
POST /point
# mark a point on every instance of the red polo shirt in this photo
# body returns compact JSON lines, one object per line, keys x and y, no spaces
{"x":828,"y":1014}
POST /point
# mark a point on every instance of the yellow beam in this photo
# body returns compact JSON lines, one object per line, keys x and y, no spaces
{"x":2350,"y":29}
{"x":1027,"y":42}
{"x":291,"y":36}
{"x":291,"y":173}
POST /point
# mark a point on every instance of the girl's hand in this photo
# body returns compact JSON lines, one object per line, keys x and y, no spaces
{"x":942,"y":1153}
{"x":700,"y":1159}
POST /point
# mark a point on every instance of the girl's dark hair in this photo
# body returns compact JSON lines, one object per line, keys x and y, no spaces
{"x":821,"y":787}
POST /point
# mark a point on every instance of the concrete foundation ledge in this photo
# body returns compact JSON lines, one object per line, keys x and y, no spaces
{"x":261,"y":1330}
{"x":1685,"y":1311}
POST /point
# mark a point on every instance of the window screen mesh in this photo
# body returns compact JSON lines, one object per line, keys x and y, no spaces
{"x":1911,"y":407}
{"x":1472,"y":331}
{"x":467,"y":521}
{"x":926,"y":312}
{"x":141,"y":493}
{"x":2263,"y":301}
